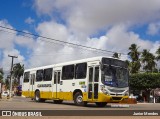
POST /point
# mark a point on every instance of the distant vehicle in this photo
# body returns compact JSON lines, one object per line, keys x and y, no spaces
{"x":19,"y":90}
{"x":99,"y":80}
{"x":5,"y":93}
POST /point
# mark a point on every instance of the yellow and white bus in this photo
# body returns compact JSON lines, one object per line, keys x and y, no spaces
{"x":99,"y":80}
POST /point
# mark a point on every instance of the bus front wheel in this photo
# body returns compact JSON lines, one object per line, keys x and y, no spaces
{"x":78,"y":99}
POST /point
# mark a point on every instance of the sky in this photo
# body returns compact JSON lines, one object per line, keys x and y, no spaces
{"x":104,"y":24}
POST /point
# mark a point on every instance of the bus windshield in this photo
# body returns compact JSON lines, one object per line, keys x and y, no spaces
{"x":114,"y":76}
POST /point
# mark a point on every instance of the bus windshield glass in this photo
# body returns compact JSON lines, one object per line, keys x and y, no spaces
{"x":115,"y":75}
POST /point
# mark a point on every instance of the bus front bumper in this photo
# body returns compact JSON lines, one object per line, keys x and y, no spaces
{"x":111,"y":99}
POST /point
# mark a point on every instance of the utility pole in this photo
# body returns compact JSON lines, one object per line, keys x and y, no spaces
{"x":10,"y":91}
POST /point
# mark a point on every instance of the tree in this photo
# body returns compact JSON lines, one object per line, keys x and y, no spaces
{"x":116,"y":55}
{"x":127,"y":62}
{"x":18,"y":70}
{"x":158,"y":53}
{"x":7,"y":82}
{"x":134,"y":55}
{"x":145,"y":81}
{"x":144,"y":56}
{"x":148,"y":59}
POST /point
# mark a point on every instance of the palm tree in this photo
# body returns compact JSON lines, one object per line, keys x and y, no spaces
{"x":144,"y":58}
{"x":134,"y":55}
{"x":148,"y":59}
{"x":116,"y":55}
{"x":1,"y":75}
{"x":7,"y":82}
{"x":18,"y":70}
{"x":128,"y":64}
{"x":151,"y":62}
{"x":158,"y":54}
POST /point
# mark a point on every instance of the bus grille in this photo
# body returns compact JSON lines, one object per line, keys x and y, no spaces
{"x":117,"y":91}
{"x":116,"y":98}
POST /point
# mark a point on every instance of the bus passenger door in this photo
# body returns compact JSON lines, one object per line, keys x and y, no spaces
{"x":31,"y":86}
{"x":93,"y":83}
{"x":56,"y":86}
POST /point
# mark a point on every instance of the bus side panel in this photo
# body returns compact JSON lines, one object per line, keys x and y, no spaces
{"x":25,"y":89}
{"x":66,"y":96}
{"x":66,"y":89}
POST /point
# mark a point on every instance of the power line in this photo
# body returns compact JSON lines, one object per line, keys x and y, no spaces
{"x":80,"y":51}
{"x":95,"y":51}
{"x":64,"y":42}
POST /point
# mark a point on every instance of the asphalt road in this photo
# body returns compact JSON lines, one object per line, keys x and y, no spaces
{"x":21,"y":103}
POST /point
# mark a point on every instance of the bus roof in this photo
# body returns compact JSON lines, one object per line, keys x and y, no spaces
{"x":69,"y":62}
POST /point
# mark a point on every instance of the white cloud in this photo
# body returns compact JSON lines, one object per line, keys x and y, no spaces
{"x":156,"y":45}
{"x":43,"y":6}
{"x":54,"y":30}
{"x":8,"y":42}
{"x":6,"y":36}
{"x":118,"y":38}
{"x":154,"y":28}
{"x":82,"y":18}
{"x":6,"y":62}
{"x":29,"y":20}
{"x":27,"y":42}
{"x":88,"y":16}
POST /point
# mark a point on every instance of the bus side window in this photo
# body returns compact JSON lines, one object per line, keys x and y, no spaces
{"x":32,"y":79}
{"x":68,"y":72}
{"x":39,"y":75}
{"x":26,"y":77}
{"x":96,"y":79}
{"x":55,"y":77}
{"x":81,"y":70}
{"x":47,"y":74}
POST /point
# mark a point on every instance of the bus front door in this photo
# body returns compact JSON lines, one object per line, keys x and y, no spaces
{"x":56,"y":86}
{"x":31,"y":86}
{"x":93,"y":83}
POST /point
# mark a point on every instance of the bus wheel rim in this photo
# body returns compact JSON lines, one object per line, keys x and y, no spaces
{"x":37,"y":98}
{"x":79,"y":99}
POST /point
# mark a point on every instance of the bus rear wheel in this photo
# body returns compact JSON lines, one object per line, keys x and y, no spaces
{"x":78,"y":99}
{"x":101,"y":104}
{"x":37,"y":97}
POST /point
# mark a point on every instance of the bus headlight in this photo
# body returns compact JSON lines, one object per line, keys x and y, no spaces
{"x":104,"y":90}
{"x":126,"y":93}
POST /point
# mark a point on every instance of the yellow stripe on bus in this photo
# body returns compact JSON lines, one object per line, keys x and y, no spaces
{"x":69,"y":96}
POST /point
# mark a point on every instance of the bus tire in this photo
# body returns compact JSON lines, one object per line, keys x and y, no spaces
{"x":78,"y":99}
{"x":37,"y":97}
{"x":101,"y":104}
